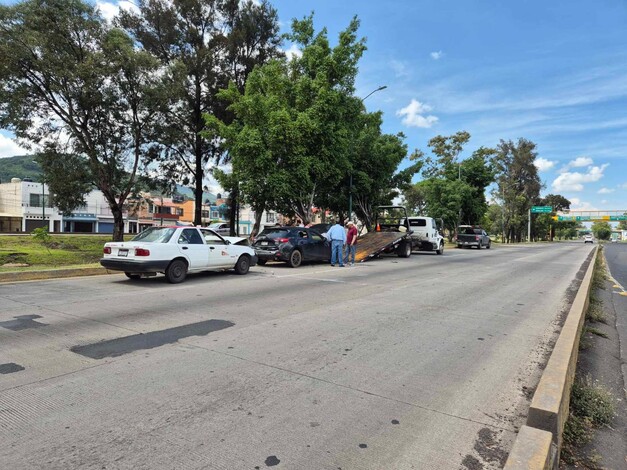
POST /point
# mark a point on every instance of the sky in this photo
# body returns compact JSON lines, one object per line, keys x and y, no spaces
{"x":551,"y":72}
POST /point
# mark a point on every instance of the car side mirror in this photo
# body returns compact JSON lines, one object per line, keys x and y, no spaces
{"x":226,"y":242}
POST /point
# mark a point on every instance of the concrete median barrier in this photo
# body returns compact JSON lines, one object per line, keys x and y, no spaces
{"x":550,"y":404}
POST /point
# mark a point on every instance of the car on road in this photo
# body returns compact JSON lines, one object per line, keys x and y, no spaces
{"x":292,"y":245}
{"x":469,"y":235}
{"x":176,"y":251}
{"x":588,"y":239}
{"x":221,"y":228}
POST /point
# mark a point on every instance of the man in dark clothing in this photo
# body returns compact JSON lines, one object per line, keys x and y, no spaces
{"x":351,"y":244}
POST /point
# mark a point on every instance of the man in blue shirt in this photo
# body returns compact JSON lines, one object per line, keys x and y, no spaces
{"x":337,"y":235}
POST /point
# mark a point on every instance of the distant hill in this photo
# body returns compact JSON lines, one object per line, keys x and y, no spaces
{"x":19,"y":167}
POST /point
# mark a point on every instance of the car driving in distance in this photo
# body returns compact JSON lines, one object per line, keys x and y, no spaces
{"x":588,"y":239}
{"x":292,"y":245}
{"x":469,"y":235}
{"x":176,"y":251}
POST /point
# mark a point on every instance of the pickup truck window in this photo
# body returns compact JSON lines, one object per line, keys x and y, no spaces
{"x":417,"y":222}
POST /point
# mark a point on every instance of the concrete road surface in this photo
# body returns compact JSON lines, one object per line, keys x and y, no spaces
{"x":420,"y":363}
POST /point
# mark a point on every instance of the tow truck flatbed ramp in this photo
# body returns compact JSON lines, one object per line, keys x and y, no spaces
{"x":373,"y":243}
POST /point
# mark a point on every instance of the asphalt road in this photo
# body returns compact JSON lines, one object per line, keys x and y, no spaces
{"x":425,"y":363}
{"x":616,"y":257}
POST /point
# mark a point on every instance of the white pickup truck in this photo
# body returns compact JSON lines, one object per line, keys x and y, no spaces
{"x":425,"y":234}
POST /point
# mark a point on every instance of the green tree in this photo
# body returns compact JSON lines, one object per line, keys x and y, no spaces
{"x":454,"y":189}
{"x":203,"y":45}
{"x":544,"y":227}
{"x":518,"y":184}
{"x":602,"y":230}
{"x":622,"y":225}
{"x":291,"y":142}
{"x":72,"y":85}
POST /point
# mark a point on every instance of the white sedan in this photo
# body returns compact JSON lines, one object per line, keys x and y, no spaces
{"x":175,"y":251}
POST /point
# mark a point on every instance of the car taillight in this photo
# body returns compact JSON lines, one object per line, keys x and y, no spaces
{"x":283,"y":240}
{"x":477,"y":237}
{"x":106,"y":250}
{"x":142,"y":252}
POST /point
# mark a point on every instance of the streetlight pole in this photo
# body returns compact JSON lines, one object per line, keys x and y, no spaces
{"x":350,"y":187}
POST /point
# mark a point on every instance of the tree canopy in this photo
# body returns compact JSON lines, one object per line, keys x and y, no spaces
{"x":71,"y":84}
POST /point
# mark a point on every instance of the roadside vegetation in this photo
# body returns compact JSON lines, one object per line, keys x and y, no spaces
{"x":32,"y":252}
{"x":591,"y":406}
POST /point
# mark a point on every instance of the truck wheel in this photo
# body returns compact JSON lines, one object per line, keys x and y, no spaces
{"x":404,"y":250}
{"x":440,"y":250}
{"x":296,"y":258}
{"x":488,"y":247}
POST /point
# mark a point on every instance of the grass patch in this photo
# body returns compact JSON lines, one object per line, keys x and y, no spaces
{"x":600,"y":274}
{"x":59,"y":250}
{"x":595,"y":331}
{"x":595,"y":313}
{"x":591,"y":407}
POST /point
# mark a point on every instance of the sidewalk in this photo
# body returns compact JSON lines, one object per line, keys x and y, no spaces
{"x":604,"y":361}
{"x":16,"y":276}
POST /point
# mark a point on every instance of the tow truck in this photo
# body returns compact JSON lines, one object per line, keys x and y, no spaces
{"x":392,"y":234}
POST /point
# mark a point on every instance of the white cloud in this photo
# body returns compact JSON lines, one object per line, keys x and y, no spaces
{"x":436,"y":55}
{"x":293,"y":51}
{"x":604,"y":201}
{"x":413,"y":113}
{"x":605,"y":191}
{"x":577,"y":204}
{"x":400,"y":68}
{"x":580,"y":162}
{"x":573,"y":181}
{"x":8,"y":148}
{"x":624,"y":186}
{"x":543,"y":164}
{"x":109,"y":10}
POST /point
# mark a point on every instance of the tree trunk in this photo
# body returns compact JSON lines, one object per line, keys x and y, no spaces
{"x":233,"y":210}
{"x":118,"y":222}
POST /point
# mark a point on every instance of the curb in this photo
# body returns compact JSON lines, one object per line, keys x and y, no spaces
{"x":550,"y":404}
{"x":17,"y":276}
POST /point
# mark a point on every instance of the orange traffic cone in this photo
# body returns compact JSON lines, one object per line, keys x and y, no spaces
{"x":378,"y":229}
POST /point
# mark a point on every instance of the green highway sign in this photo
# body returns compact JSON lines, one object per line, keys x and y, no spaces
{"x":541,"y":209}
{"x":618,"y":217}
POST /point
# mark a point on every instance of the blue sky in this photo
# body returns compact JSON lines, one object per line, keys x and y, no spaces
{"x":551,"y":72}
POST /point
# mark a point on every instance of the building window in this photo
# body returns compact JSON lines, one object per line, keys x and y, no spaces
{"x":215,"y":215}
{"x":204,"y":214}
{"x":179,"y":211}
{"x":270,"y":217}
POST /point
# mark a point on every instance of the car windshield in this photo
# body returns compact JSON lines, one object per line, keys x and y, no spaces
{"x":275,"y":233}
{"x":155,"y":235}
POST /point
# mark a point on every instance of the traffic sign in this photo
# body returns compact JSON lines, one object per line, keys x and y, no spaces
{"x":541,"y":209}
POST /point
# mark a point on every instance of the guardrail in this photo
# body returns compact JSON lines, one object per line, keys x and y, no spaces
{"x":539,"y":443}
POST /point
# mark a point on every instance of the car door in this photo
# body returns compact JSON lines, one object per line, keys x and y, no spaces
{"x":320,"y":246}
{"x":220,"y":253}
{"x":191,"y":245}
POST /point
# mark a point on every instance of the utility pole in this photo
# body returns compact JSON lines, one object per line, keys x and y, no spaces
{"x":350,"y":184}
{"x":529,"y":225}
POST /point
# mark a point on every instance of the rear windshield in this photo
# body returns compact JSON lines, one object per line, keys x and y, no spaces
{"x":155,"y":235}
{"x":275,"y":233}
{"x":470,"y":230}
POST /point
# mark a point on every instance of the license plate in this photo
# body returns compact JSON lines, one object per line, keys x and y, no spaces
{"x":123,"y":253}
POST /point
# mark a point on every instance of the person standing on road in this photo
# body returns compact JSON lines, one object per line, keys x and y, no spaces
{"x":351,"y":244}
{"x":337,"y":235}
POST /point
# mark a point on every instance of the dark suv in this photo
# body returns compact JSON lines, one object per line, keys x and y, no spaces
{"x":292,"y":245}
